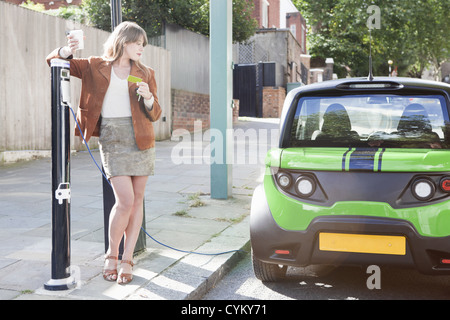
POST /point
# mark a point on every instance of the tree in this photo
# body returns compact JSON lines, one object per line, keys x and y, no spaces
{"x":190,"y":14}
{"x":429,"y":32}
{"x":414,"y":35}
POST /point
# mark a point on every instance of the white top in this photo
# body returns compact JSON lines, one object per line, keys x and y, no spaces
{"x":117,"y":100}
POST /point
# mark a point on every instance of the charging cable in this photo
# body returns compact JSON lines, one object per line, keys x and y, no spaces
{"x":159,"y":242}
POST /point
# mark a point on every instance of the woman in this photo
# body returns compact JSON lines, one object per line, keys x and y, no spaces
{"x":121,"y":114}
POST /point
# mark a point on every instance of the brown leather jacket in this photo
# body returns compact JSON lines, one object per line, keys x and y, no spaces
{"x":95,"y":73}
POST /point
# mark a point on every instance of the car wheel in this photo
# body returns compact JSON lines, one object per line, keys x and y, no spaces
{"x":268,"y":272}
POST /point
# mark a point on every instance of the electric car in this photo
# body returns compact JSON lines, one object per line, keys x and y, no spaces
{"x":361,"y":176}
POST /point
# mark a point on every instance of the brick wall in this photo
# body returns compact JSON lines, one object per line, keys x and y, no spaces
{"x":273,"y":99}
{"x":297,"y":20}
{"x":274,"y":13}
{"x":236,"y":111}
{"x":257,"y":12}
{"x":188,"y":107}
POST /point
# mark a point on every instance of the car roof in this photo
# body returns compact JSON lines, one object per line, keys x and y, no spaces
{"x":379,"y":85}
{"x":402,"y":82}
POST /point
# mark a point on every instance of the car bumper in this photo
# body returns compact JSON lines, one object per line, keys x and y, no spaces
{"x":301,"y":248}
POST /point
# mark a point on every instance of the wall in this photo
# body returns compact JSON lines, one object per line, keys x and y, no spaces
{"x":190,"y":59}
{"x":190,"y":77}
{"x":273,"y":13}
{"x":26,"y":38}
{"x":282,"y":48}
{"x":294,"y":60}
{"x":273,"y":99}
{"x":295,"y":22}
{"x":189,"y":107}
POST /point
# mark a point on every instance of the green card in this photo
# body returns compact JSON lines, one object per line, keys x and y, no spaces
{"x":134,"y":79}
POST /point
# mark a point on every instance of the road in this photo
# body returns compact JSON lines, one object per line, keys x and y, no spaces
{"x":326,"y":282}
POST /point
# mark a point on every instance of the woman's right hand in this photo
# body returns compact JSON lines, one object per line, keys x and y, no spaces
{"x":72,"y":46}
{"x":72,"y":43}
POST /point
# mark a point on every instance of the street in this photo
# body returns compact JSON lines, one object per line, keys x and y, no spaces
{"x":330,"y":283}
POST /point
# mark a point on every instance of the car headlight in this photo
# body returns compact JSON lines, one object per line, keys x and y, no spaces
{"x":423,"y":189}
{"x":284,"y":180}
{"x":305,"y":186}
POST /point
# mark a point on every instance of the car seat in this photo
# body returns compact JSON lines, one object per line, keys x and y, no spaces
{"x":415,"y":124}
{"x":336,"y":125}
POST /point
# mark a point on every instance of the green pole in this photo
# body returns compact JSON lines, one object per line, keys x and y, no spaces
{"x":221,"y":115}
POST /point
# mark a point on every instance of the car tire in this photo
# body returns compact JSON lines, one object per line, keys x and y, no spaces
{"x":268,"y":272}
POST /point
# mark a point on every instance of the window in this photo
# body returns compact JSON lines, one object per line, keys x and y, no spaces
{"x":293,"y":29}
{"x":265,"y":14}
{"x":385,"y":121}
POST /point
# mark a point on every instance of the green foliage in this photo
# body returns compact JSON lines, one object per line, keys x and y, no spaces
{"x":190,"y":14}
{"x":414,"y":34}
{"x":99,"y":13}
{"x":75,"y":13}
{"x":29,"y":4}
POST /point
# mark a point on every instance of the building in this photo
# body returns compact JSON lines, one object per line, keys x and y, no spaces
{"x":280,"y":41}
{"x":281,"y":14}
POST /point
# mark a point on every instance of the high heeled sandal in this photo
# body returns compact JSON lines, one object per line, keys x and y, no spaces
{"x":124,"y":278}
{"x":110,"y":274}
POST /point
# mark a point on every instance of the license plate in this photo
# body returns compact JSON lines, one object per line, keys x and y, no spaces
{"x":362,"y":243}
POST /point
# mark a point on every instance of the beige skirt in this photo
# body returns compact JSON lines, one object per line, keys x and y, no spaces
{"x":119,"y":152}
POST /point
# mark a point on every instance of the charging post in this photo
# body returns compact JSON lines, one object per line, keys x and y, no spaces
{"x":61,"y":278}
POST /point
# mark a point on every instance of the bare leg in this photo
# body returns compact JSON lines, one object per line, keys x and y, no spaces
{"x":135,"y":221}
{"x":136,"y":216}
{"x":120,"y":215}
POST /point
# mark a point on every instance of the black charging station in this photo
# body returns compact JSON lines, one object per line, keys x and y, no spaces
{"x":61,"y":278}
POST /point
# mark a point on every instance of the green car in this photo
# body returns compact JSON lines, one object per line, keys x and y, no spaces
{"x":361,"y":176}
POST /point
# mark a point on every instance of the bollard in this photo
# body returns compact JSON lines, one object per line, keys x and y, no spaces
{"x":61,"y":278}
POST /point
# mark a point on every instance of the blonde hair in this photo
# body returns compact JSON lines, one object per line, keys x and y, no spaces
{"x":125,"y":32}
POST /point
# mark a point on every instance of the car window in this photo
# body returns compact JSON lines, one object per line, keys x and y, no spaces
{"x":388,"y":121}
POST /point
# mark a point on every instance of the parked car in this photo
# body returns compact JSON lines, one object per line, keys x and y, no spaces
{"x":361,"y":176}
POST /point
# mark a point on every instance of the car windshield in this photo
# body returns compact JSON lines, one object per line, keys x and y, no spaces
{"x":385,"y":121}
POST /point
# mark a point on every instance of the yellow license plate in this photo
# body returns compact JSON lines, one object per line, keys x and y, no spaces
{"x":362,"y":243}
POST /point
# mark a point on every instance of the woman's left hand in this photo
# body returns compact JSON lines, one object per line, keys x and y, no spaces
{"x":144,"y":90}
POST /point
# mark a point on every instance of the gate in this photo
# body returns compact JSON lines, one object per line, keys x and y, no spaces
{"x":248,"y":82}
{"x":245,"y":89}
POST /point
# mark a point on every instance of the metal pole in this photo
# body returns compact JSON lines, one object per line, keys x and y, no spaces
{"x":220,"y":98}
{"x":61,"y":278}
{"x":108,"y":194}
{"x":116,"y":13}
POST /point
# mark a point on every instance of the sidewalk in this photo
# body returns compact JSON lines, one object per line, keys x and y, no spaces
{"x":178,"y":209}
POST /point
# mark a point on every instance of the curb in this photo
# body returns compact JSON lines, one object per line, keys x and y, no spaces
{"x":216,"y":276}
{"x":192,"y":276}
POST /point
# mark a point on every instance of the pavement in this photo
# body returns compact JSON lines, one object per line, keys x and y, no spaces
{"x":179,"y":212}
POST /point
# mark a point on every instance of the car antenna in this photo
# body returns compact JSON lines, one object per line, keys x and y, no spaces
{"x":370,"y":77}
